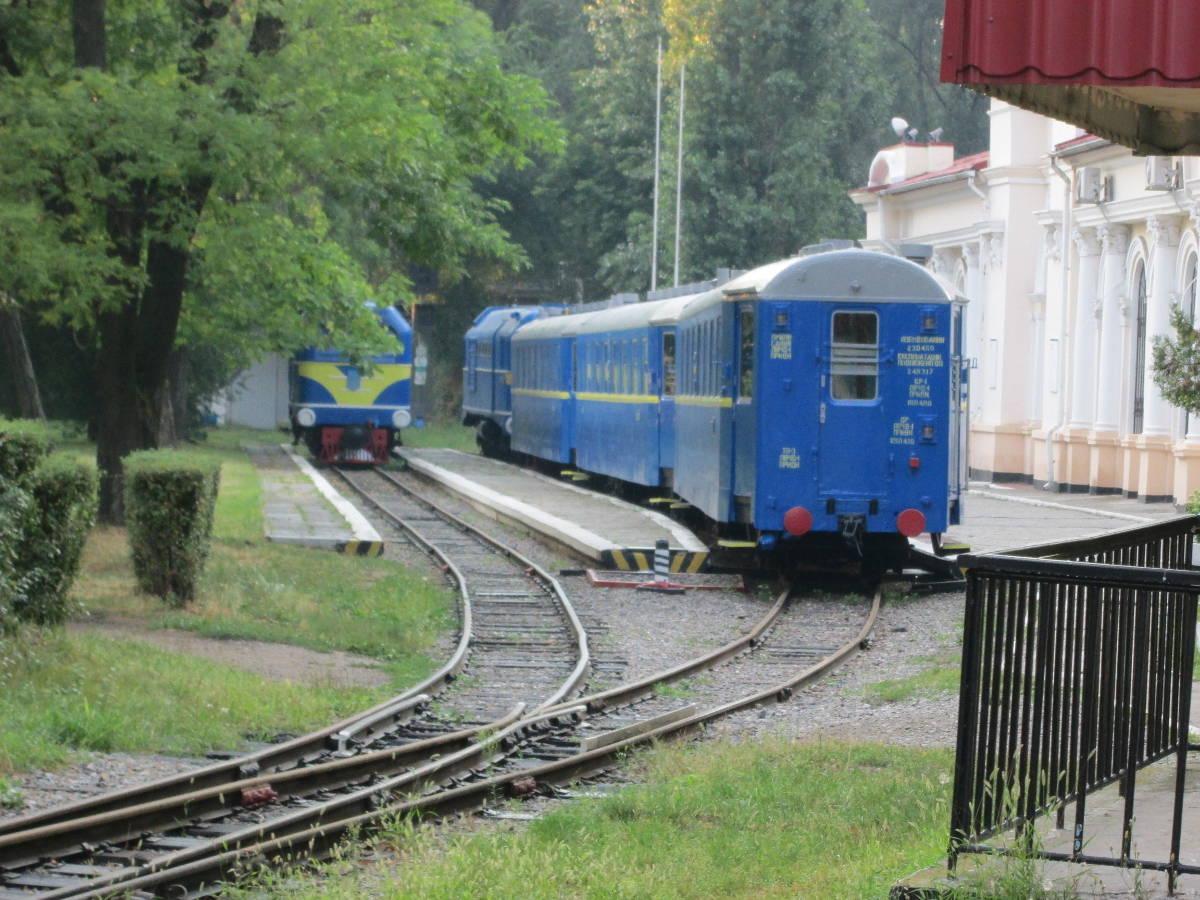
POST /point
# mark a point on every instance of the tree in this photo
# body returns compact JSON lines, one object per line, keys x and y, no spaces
{"x":28,"y":398}
{"x":1176,"y":363}
{"x":779,"y":96}
{"x":911,"y":55}
{"x":242,"y":173}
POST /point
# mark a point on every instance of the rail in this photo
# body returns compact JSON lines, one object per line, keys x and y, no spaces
{"x":1076,"y":673}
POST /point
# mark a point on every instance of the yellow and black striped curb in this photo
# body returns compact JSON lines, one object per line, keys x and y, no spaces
{"x":361,"y":548}
{"x":643,"y":560}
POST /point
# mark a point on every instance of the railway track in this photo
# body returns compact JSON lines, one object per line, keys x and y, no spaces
{"x":520,"y":641}
{"x":180,"y":842}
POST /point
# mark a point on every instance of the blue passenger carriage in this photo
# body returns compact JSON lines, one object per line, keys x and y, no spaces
{"x":543,"y":394}
{"x":487,"y":373}
{"x":350,"y":414}
{"x":618,"y":380}
{"x":819,"y":399}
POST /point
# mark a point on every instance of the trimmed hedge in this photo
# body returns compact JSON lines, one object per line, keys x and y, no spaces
{"x":170,"y":496}
{"x":22,"y":445}
{"x":64,"y":509}
{"x":47,"y":505}
{"x":16,"y":508}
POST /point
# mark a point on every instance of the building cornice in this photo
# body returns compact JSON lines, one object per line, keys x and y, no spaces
{"x":1126,"y":211}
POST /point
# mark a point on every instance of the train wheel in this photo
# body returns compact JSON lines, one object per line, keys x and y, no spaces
{"x":491,"y":440}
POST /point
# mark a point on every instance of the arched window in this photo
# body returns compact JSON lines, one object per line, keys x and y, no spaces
{"x":1139,"y":349}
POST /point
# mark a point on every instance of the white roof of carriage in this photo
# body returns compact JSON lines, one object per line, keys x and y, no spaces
{"x":836,"y":275}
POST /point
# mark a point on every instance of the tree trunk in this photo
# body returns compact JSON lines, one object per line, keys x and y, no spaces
{"x":20,"y":366}
{"x":89,"y":34}
{"x":121,"y":409}
{"x":178,"y":380}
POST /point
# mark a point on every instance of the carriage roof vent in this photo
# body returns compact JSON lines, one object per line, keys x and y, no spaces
{"x":682,"y":290}
{"x":828,"y":245}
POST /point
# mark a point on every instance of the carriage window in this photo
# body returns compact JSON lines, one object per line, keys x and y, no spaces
{"x":855,"y":358}
{"x":706,"y":356}
{"x":746,"y":356}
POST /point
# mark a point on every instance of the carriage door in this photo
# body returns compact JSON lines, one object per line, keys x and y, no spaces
{"x":744,"y":430}
{"x":853,"y":443}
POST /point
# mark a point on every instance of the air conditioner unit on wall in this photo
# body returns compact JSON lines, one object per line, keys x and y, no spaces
{"x":1091,"y":186}
{"x":1162,"y":173}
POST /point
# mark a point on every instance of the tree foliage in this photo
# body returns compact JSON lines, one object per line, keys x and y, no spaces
{"x":786,"y":102}
{"x":1176,"y":363}
{"x":273,"y":164}
{"x":911,"y":42}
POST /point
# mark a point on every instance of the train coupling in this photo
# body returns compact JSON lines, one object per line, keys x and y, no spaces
{"x":853,"y":527}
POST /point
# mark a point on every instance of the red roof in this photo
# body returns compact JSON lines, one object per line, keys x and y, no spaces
{"x":1126,"y":70}
{"x":1101,"y":42}
{"x":974,"y":162}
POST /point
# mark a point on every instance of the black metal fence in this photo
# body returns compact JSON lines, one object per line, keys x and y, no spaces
{"x":1076,"y":673}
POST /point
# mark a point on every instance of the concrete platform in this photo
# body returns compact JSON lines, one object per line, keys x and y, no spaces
{"x":617,"y":535}
{"x":301,"y":507}
{"x":1005,"y":517}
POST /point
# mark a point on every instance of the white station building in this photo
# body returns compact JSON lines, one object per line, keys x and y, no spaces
{"x":1072,"y":252}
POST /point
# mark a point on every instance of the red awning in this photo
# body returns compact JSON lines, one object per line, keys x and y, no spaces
{"x":1126,"y":70}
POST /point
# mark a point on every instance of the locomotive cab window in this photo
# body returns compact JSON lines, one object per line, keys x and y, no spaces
{"x":854,"y":362}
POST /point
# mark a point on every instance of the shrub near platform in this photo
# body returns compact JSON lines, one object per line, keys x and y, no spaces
{"x":22,"y":445}
{"x":64,"y":509}
{"x":169,"y":501}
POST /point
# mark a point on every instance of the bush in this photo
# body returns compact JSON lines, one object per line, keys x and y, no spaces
{"x":169,"y":501}
{"x":22,"y":445}
{"x":64,"y":508}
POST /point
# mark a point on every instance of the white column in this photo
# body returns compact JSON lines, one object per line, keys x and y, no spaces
{"x":1114,"y":303}
{"x":1083,"y":338}
{"x":974,"y":327}
{"x":1165,"y":232}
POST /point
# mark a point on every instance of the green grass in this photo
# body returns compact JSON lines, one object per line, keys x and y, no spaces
{"x":442,"y":434}
{"x":62,"y":694}
{"x":683,"y":689}
{"x":768,"y":819}
{"x":939,"y":675}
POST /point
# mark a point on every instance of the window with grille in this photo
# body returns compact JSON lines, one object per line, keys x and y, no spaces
{"x":854,"y":363}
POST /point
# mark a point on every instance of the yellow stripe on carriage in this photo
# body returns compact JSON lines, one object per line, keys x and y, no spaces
{"x":616,"y":398}
{"x":548,"y":395}
{"x":696,"y":400}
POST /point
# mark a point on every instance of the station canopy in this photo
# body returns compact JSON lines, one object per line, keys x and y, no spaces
{"x":1124,"y":70}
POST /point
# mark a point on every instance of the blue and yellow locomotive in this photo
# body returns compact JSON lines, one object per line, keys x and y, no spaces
{"x":348,"y":414}
{"x":812,"y":406}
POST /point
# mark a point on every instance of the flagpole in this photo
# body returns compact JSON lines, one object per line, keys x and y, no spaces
{"x":679,"y":173}
{"x":657,"y":154}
